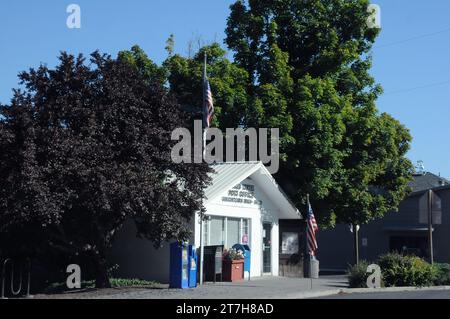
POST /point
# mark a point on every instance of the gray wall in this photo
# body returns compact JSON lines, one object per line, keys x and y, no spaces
{"x":137,"y":258}
{"x":441,"y":235}
{"x":336,"y":245}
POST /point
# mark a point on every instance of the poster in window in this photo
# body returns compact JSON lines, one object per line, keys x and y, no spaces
{"x":289,"y":243}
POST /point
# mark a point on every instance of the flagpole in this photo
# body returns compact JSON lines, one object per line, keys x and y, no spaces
{"x":202,"y":251}
{"x":307,"y":244}
{"x":205,"y":127}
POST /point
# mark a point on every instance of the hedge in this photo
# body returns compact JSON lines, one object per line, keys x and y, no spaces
{"x":401,"y":271}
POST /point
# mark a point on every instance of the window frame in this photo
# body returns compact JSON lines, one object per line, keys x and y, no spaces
{"x":241,"y":229}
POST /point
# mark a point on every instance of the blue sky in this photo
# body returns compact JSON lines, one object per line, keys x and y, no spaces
{"x":411,"y":57}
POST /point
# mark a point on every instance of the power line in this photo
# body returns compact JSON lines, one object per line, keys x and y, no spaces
{"x":412,"y":38}
{"x":418,"y":88}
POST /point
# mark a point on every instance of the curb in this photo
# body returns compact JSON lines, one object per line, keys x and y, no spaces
{"x":312,"y":294}
{"x":325,"y":293}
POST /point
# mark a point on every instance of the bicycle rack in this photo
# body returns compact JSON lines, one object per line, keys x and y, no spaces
{"x":21,"y":268}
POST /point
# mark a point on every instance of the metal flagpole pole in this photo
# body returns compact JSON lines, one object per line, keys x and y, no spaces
{"x":201,"y":245}
{"x":307,"y":242}
{"x":202,"y":251}
{"x":204,"y":107}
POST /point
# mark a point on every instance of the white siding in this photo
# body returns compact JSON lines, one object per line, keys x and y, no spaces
{"x":257,"y":215}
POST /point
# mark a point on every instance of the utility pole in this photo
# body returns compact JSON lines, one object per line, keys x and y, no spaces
{"x":430,"y":225}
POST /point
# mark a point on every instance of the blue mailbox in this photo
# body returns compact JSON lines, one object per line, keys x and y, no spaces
{"x":245,"y":249}
{"x":179,"y":265}
{"x":193,"y":262}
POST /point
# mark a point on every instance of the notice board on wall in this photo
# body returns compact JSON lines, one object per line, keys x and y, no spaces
{"x":289,"y":243}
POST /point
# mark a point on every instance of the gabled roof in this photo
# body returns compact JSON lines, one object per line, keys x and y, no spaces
{"x":229,"y":174}
{"x":426,"y":181}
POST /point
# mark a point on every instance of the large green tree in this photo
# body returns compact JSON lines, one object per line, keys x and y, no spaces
{"x":315,"y":57}
{"x":85,"y":148}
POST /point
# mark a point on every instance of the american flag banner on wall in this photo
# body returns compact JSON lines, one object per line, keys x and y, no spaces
{"x":312,"y":230}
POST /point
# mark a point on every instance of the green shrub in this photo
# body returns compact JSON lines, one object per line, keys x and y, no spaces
{"x":442,"y":277}
{"x":357,"y":275}
{"x":400,"y":271}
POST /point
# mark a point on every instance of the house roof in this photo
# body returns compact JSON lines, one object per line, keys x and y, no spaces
{"x":426,"y":181}
{"x":229,"y":174}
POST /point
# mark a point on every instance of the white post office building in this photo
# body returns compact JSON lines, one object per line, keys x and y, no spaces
{"x":245,"y":205}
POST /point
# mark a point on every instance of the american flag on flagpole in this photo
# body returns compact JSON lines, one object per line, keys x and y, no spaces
{"x":208,"y":108}
{"x":312,"y":231}
{"x":208,"y":105}
{"x":208,"y":113}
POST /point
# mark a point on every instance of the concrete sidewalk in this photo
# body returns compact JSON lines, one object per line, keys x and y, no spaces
{"x":258,"y":288}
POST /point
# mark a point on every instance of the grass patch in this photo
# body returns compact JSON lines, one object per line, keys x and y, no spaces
{"x":55,"y":288}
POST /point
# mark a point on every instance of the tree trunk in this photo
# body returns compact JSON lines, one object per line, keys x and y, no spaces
{"x":356,"y":243}
{"x":101,"y":274}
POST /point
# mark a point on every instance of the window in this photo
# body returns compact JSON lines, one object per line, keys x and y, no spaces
{"x":411,"y":245}
{"x":233,"y":232}
{"x":245,"y":234}
{"x":216,"y":235}
{"x":226,"y":231}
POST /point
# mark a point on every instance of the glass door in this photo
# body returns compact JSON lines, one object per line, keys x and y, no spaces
{"x":267,"y":253}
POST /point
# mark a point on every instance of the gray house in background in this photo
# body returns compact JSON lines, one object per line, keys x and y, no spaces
{"x":403,"y":231}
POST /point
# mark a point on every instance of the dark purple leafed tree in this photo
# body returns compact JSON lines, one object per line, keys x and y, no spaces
{"x":83,"y":148}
